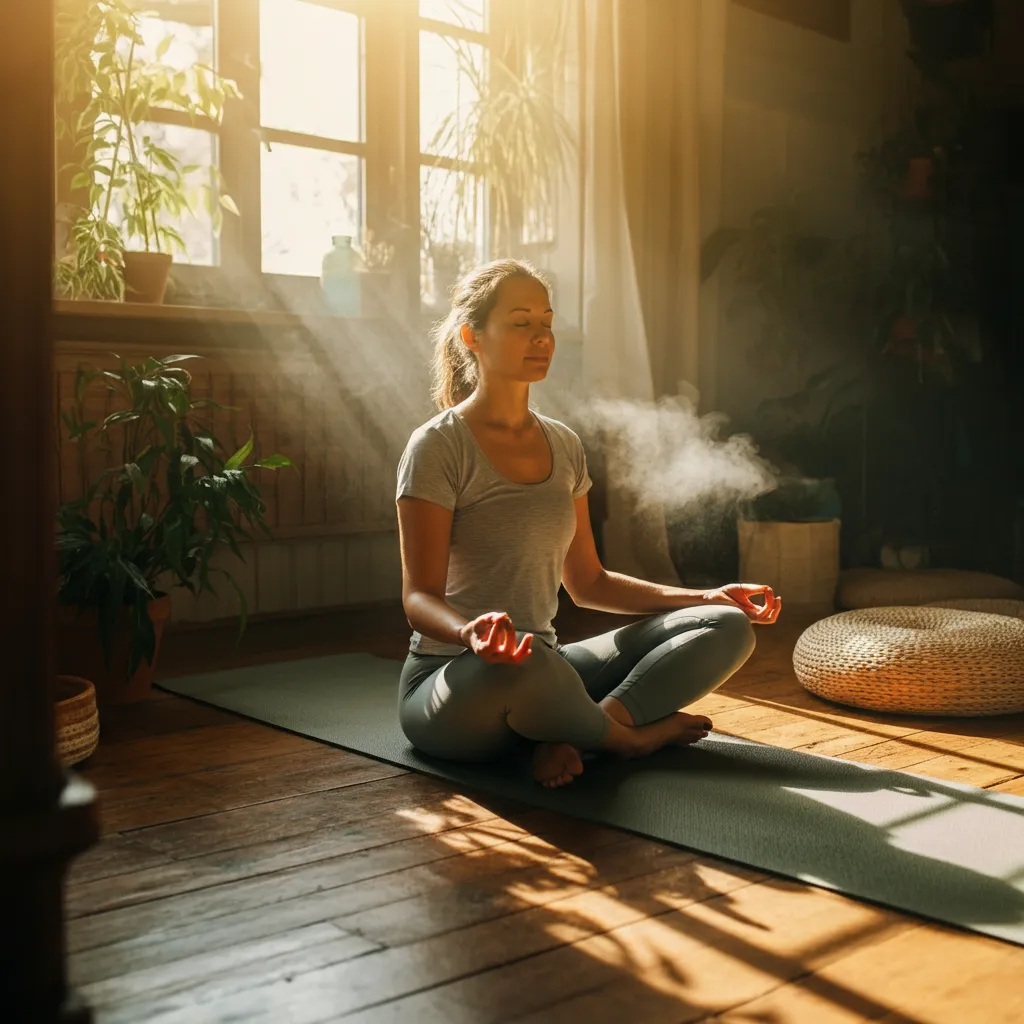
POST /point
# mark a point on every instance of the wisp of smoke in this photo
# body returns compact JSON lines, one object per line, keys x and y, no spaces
{"x":669,"y":455}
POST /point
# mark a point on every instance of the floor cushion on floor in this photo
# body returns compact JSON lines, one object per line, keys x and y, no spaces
{"x":876,"y":588}
{"x":915,"y":660}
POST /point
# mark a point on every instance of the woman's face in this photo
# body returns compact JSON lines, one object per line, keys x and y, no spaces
{"x":516,"y":342}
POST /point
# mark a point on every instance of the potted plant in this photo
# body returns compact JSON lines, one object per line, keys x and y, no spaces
{"x":510,"y":128}
{"x":171,"y":499}
{"x":129,"y":190}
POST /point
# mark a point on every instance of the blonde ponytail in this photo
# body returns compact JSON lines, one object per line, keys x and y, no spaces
{"x":455,"y":372}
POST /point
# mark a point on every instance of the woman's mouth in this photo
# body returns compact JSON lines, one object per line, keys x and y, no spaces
{"x":538,"y":359}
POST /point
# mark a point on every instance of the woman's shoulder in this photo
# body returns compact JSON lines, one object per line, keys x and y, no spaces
{"x":561,"y":430}
{"x":441,"y":429}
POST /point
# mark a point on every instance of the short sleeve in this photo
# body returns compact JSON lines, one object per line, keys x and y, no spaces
{"x":428,"y":469}
{"x":582,"y":482}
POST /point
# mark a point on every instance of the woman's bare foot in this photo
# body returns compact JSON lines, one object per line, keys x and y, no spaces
{"x":691,"y":728}
{"x":556,"y":764}
{"x":678,"y":729}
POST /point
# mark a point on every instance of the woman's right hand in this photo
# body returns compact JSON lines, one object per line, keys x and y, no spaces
{"x":492,"y":637}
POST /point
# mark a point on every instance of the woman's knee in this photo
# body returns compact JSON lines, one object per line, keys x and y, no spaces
{"x":734,"y":628}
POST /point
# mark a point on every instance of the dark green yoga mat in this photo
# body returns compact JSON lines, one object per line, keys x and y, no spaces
{"x":938,"y":849}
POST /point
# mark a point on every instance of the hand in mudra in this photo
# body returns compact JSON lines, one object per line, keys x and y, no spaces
{"x":492,"y":637}
{"x":740,"y":594}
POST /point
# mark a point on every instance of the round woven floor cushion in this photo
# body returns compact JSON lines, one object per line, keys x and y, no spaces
{"x":877,"y":588}
{"x":916,"y":660}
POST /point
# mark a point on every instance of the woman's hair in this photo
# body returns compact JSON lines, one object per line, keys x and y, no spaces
{"x":455,"y":372}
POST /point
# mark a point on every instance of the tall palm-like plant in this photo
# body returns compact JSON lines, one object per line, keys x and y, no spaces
{"x":511,"y":132}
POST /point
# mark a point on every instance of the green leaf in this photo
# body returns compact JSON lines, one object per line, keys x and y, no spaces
{"x":241,"y":455}
{"x":229,"y":204}
{"x":134,"y":474}
{"x":273,"y":462}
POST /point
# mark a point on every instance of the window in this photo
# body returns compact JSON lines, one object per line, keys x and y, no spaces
{"x":356,"y":117}
{"x":311,"y":123}
{"x":453,"y":79}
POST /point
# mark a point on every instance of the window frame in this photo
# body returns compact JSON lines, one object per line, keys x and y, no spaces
{"x":389,"y":147}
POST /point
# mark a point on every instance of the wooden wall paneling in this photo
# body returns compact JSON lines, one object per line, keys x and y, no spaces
{"x":290,"y":486}
{"x":358,"y":569}
{"x":244,"y":573}
{"x":352,"y":456}
{"x":385,"y":567}
{"x":264,"y":423}
{"x":275,"y":578}
{"x":184,"y":605}
{"x":242,"y":398}
{"x":69,"y":457}
{"x":223,"y":603}
{"x":94,"y":409}
{"x":222,"y":392}
{"x":333,"y":571}
{"x":308,"y":571}
{"x":314,"y":506}
{"x":378,"y":452}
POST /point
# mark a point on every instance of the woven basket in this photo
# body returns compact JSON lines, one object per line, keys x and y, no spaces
{"x":799,"y":561}
{"x":77,"y":721}
{"x":915,"y":660}
{"x":991,"y":605}
{"x":878,"y":588}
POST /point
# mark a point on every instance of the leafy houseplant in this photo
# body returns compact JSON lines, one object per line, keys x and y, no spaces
{"x":128,"y":189}
{"x":169,"y":502}
{"x":511,"y":130}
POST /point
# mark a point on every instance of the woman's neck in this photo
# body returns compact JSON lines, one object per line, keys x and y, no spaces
{"x":505,"y":406}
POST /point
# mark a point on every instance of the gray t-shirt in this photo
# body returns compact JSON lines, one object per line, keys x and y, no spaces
{"x":508,"y":540}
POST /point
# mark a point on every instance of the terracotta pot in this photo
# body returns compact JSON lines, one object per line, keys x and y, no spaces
{"x":79,"y":652}
{"x":76,"y":719}
{"x":145,"y":276}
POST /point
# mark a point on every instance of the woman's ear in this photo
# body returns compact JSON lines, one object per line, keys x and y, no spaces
{"x":468,"y":337}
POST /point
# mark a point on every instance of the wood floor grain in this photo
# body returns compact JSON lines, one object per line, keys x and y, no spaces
{"x":246,"y":874}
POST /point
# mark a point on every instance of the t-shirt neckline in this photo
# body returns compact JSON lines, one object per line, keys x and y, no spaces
{"x":490,"y":465}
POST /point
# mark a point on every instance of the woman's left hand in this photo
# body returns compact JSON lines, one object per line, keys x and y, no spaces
{"x":740,"y":594}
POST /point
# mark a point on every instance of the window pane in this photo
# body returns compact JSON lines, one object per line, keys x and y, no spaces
{"x":311,"y":70}
{"x":452,"y":73}
{"x":192,"y":147}
{"x":191,"y":39}
{"x":467,"y":13}
{"x":452,"y":231}
{"x":308,"y":196}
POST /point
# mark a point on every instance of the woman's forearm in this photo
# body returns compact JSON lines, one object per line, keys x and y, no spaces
{"x":432,"y":616}
{"x":626,"y":595}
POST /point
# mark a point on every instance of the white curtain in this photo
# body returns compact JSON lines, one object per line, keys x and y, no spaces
{"x":654,"y":74}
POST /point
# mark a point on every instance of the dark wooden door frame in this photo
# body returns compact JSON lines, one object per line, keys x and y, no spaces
{"x":46,"y":815}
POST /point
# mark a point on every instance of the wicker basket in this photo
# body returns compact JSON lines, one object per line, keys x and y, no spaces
{"x":800,"y":561}
{"x":77,"y":721}
{"x":916,"y":660}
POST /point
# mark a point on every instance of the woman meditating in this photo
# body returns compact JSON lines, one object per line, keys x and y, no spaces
{"x":493,"y":516}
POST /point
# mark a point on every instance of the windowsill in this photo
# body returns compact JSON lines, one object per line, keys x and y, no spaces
{"x":212,"y":315}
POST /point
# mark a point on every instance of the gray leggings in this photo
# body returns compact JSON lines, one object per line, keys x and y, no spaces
{"x":465,"y":709}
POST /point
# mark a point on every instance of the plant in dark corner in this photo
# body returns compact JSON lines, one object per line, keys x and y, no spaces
{"x":170,"y":499}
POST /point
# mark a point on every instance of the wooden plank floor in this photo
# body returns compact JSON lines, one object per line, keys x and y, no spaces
{"x":250,"y":875}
